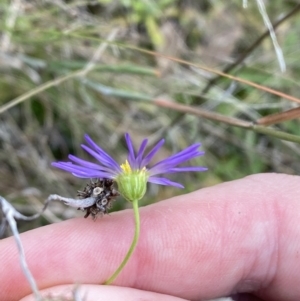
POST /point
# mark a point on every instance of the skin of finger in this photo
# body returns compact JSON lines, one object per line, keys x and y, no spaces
{"x":101,"y":293}
{"x":239,"y":236}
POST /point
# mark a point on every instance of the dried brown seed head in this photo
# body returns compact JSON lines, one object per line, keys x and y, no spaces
{"x":103,"y":192}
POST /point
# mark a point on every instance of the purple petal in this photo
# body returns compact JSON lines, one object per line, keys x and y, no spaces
{"x":105,"y":157}
{"x":184,"y":169}
{"x":84,"y":163}
{"x":180,"y":157}
{"x":176,"y":159}
{"x":93,"y":174}
{"x":191,"y":150}
{"x":151,"y":154}
{"x":68,"y":166}
{"x":103,"y":160}
{"x":131,"y":155}
{"x":140,"y":154}
{"x":165,"y":165}
{"x":91,"y":166}
{"x":82,"y":172}
{"x":164,"y":181}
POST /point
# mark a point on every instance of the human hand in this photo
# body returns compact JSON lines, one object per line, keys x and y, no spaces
{"x":237,"y":237}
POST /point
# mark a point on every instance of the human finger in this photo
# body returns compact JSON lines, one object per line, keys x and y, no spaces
{"x":241,"y":236}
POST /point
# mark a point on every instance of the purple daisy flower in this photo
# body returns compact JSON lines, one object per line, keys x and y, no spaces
{"x":135,"y":165}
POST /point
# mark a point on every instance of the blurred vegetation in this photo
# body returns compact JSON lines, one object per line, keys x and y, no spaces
{"x":83,"y":65}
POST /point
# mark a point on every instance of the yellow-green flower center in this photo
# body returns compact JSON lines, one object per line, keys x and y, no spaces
{"x":126,"y":167}
{"x":132,"y":183}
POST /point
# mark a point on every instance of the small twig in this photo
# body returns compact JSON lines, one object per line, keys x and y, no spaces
{"x":10,"y":216}
{"x":202,"y":113}
{"x":279,"y":117}
{"x":249,"y":125}
{"x":76,"y":203}
{"x":49,"y":215}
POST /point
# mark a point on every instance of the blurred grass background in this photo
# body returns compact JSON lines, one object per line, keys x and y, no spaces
{"x":86,"y":59}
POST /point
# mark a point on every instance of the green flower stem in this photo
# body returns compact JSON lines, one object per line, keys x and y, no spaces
{"x":133,"y":244}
